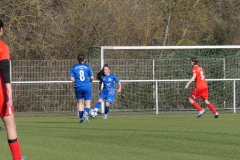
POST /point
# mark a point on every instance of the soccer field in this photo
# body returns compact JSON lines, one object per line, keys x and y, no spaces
{"x":145,"y":137}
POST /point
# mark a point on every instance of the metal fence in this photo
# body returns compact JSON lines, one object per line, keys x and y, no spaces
{"x":136,"y":95}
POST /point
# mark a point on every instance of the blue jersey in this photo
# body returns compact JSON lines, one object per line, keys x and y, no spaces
{"x":81,"y":73}
{"x":108,"y":83}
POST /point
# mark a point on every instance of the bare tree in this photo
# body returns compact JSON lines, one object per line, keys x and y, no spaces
{"x":57,"y":29}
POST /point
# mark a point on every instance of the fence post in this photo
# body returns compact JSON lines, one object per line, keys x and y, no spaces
{"x":156,"y":90}
{"x":234,"y":96}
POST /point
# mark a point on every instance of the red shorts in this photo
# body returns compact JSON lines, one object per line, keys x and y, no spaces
{"x":5,"y":110}
{"x":199,"y":93}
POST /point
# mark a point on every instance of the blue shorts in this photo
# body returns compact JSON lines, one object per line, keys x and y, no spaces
{"x":83,"y":93}
{"x":108,"y":97}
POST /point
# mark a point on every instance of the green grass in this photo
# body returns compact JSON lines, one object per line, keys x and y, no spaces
{"x":131,"y":137}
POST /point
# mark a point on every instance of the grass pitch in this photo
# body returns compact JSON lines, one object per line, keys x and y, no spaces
{"x":132,"y":137}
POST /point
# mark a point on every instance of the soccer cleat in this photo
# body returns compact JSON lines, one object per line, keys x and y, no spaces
{"x":105,"y":117}
{"x":86,"y":118}
{"x":2,"y":129}
{"x":216,"y":115}
{"x":23,"y":158}
{"x":201,"y":113}
{"x":81,"y":121}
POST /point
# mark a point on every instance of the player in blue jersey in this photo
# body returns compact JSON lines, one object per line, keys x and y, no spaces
{"x":107,"y":93}
{"x":82,"y":76}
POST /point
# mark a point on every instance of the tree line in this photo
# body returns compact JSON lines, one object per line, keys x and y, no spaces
{"x":60,"y":29}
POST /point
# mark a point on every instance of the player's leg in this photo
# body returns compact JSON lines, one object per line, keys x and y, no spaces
{"x":80,"y":110}
{"x":100,"y":100}
{"x":13,"y":142}
{"x":79,"y":97}
{"x":212,"y":108}
{"x":7,"y":116}
{"x":209,"y":104}
{"x":87,"y":109}
{"x":109,"y":101}
{"x":107,"y":108}
{"x":98,"y":104}
{"x":87,"y":106}
{"x":87,"y":99}
{"x":195,"y":95}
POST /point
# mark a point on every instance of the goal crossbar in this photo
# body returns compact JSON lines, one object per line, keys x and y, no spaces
{"x":163,"y":47}
{"x":172,"y":47}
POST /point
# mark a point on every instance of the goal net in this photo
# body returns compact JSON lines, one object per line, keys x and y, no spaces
{"x":170,"y":66}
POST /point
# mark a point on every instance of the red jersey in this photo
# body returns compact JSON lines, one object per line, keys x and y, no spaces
{"x":5,"y":109}
{"x":200,"y":81}
{"x":4,"y":54}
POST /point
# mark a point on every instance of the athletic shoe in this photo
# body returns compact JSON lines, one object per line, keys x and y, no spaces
{"x":216,"y":115}
{"x":23,"y":158}
{"x":201,"y":113}
{"x":105,"y":117}
{"x":2,"y":129}
{"x":81,"y":121}
{"x":86,"y":118}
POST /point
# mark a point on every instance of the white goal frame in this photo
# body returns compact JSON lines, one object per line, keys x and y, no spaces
{"x":103,"y":48}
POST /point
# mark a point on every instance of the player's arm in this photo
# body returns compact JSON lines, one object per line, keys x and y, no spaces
{"x":72,"y":79}
{"x":91,"y":79}
{"x":90,"y":74}
{"x":71,"y":75}
{"x":119,"y":84}
{"x":119,"y":87}
{"x":191,"y":80}
{"x":5,"y":68}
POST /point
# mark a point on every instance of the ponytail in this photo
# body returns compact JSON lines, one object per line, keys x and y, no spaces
{"x":81,"y":58}
{"x":1,"y":24}
{"x":101,"y":73}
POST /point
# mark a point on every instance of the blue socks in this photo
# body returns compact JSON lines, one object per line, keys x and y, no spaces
{"x":80,"y":114}
{"x":98,"y":105}
{"x":87,"y":110}
{"x":107,"y":109}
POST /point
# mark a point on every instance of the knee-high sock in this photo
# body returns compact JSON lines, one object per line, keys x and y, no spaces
{"x":15,"y":149}
{"x":196,"y":105}
{"x":212,"y":108}
{"x":98,"y":105}
{"x":106,"y":110}
{"x":80,"y":114}
{"x":87,"y":110}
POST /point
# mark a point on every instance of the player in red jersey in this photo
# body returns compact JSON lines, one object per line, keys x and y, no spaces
{"x":6,"y":102}
{"x":200,"y":90}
